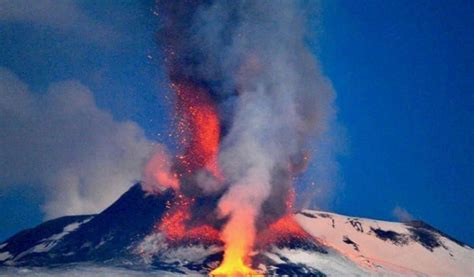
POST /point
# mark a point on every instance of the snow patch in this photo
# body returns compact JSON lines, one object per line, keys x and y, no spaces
{"x":331,"y":264}
{"x":5,"y":256}
{"x":50,"y":242}
{"x":155,"y":245}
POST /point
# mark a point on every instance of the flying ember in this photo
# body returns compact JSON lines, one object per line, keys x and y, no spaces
{"x":248,"y":99}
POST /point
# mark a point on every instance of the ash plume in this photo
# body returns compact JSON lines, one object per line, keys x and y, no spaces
{"x":272,"y":99}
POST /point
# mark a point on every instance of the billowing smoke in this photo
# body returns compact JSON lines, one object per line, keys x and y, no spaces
{"x":272,"y":100}
{"x":60,"y":140}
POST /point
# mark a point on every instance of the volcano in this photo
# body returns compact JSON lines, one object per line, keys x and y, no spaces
{"x":129,"y":238}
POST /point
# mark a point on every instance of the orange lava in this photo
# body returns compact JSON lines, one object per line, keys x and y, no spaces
{"x":173,"y":224}
{"x":284,"y":228}
{"x":203,"y":233}
{"x":239,"y":237}
{"x":198,"y":128}
{"x":235,"y":267}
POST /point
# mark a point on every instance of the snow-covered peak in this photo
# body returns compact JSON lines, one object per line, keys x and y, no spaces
{"x":381,"y":246}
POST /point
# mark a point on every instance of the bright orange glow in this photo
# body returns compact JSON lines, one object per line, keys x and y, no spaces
{"x":173,"y":224}
{"x":234,"y":266}
{"x":198,"y":128}
{"x":283,"y":229}
{"x":174,"y":220}
{"x":203,"y":233}
{"x":238,"y":236}
{"x":158,"y":170}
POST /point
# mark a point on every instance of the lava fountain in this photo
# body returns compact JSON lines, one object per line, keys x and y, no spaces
{"x":198,"y":128}
{"x":199,"y":134}
{"x":249,"y":99}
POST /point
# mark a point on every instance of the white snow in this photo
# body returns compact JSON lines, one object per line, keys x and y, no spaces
{"x":155,"y":245}
{"x":5,"y":256}
{"x":48,"y":243}
{"x":376,"y":254}
{"x":331,"y":264}
{"x":103,"y":241}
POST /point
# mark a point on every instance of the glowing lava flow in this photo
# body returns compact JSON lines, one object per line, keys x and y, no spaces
{"x":173,"y":222}
{"x":234,"y":267}
{"x":283,"y":230}
{"x":239,"y":240}
{"x":199,"y":134}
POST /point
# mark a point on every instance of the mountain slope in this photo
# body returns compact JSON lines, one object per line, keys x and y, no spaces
{"x":123,"y":238}
{"x":412,"y":247}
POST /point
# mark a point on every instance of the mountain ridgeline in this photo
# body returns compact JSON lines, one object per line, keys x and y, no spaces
{"x":124,"y":236}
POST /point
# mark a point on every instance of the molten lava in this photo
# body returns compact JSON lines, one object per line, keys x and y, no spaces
{"x":235,"y":266}
{"x":281,"y":231}
{"x":174,"y":224}
{"x":198,"y":128}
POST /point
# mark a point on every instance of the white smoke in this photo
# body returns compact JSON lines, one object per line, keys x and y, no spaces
{"x":402,"y":214}
{"x":61,"y":140}
{"x":285,"y":101}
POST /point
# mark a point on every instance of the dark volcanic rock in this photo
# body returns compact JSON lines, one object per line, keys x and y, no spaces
{"x":394,"y":237}
{"x":105,"y":236}
{"x":24,"y":240}
{"x":421,"y":232}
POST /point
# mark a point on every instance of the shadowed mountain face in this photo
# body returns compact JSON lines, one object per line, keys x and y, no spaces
{"x":100,"y":237}
{"x":126,"y":236}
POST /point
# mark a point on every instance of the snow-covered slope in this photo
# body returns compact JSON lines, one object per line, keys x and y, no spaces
{"x":122,"y":240}
{"x":380,"y":246}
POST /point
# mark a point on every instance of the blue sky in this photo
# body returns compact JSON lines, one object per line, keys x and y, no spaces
{"x":402,"y":71}
{"x":403,"y":74}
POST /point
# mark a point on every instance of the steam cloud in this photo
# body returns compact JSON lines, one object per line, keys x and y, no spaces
{"x":61,"y":140}
{"x":272,"y":98}
{"x":402,"y":214}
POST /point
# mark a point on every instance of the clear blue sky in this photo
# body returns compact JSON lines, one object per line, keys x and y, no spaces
{"x":402,"y":70}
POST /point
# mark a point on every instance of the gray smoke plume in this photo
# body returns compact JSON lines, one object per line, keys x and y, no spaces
{"x":273,"y":99}
{"x":82,"y":158}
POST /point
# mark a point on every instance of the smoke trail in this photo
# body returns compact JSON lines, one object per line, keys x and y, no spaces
{"x":272,"y":99}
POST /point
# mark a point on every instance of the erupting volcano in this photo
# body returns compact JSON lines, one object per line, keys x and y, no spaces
{"x":198,"y":131}
{"x":250,"y":106}
{"x":248,"y":96}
